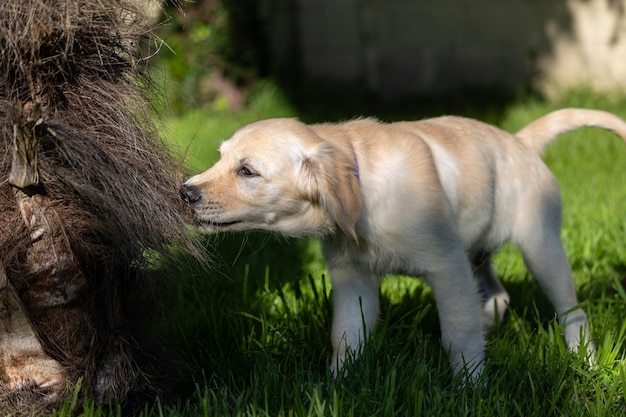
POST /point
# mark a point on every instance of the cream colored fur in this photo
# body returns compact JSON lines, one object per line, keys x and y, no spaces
{"x":433,"y":198}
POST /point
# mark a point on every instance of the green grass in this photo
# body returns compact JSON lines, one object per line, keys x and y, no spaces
{"x":256,"y":328}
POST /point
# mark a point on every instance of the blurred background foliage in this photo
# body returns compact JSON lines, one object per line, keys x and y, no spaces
{"x":214,"y":53}
{"x":216,"y":57}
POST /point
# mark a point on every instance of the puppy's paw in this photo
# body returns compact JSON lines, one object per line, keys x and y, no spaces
{"x":494,"y":309}
{"x":577,"y":335}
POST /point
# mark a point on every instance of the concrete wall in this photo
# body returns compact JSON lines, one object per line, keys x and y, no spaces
{"x":397,"y":47}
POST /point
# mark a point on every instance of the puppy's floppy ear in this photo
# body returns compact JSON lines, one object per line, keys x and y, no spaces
{"x":329,"y":177}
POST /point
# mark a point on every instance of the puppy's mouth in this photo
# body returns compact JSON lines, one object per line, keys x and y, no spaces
{"x":222,"y":224}
{"x":213,"y":224}
{"x":212,"y":218}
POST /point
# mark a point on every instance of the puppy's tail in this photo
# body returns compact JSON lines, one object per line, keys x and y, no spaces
{"x":538,"y":134}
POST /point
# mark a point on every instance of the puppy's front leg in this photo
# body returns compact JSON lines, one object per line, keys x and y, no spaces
{"x":356,"y":307}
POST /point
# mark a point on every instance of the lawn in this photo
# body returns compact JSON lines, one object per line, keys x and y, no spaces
{"x":256,"y":327}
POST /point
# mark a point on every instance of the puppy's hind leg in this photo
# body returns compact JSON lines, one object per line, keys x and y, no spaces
{"x":449,"y":274}
{"x":538,"y":236}
{"x":495,"y":298}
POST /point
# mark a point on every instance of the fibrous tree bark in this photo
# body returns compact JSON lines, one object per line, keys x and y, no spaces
{"x":88,"y":203}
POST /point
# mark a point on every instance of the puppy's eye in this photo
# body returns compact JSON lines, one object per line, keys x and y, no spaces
{"x":245,"y":171}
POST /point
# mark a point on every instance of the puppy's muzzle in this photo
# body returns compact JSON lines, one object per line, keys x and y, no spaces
{"x":190,"y":194}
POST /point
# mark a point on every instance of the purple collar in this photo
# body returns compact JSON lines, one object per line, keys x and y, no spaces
{"x":356,"y":164}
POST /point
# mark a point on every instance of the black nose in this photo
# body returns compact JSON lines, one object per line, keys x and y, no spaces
{"x":190,"y":194}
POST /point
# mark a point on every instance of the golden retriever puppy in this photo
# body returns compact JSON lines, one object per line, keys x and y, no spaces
{"x":432,"y":198}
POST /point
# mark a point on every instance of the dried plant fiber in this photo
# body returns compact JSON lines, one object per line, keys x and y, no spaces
{"x":88,"y":201}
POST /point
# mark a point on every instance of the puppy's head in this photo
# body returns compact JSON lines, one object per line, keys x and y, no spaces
{"x":278,"y":175}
